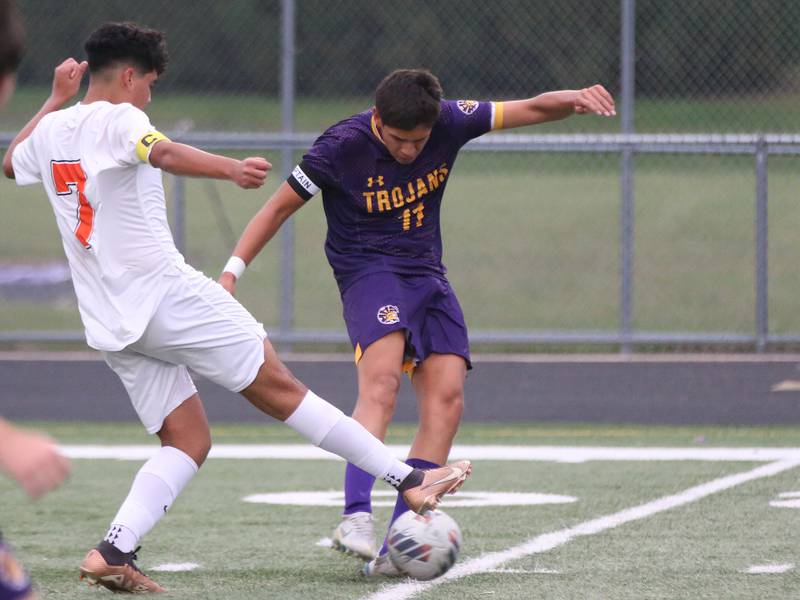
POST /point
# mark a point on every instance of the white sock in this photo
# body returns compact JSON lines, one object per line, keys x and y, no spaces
{"x":154,"y":489}
{"x":328,"y":427}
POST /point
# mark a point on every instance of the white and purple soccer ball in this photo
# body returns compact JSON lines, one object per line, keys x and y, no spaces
{"x":424,"y":546}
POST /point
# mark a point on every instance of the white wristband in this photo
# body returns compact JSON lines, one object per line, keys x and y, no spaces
{"x":235,"y":265}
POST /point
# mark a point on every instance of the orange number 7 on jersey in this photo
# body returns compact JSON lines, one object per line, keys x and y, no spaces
{"x":68,"y":177}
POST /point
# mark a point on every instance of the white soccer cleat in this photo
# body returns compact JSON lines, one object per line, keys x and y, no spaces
{"x":379,"y":567}
{"x":356,"y":535}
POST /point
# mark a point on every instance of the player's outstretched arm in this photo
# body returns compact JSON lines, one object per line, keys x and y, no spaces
{"x":553,"y":106}
{"x":180,"y":159}
{"x":261,"y":229}
{"x":66,"y":83}
{"x":32,"y":459}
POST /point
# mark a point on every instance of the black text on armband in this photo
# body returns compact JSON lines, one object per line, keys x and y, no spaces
{"x":305,"y":182}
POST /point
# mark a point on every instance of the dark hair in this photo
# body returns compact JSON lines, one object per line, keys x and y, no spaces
{"x":408,"y":98}
{"x":11,"y":38}
{"x":115,"y":43}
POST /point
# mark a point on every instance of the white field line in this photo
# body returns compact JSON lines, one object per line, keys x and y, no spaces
{"x":769,"y":569}
{"x":563,"y":454}
{"x":789,"y":385}
{"x":548,"y":541}
{"x":176,"y":567}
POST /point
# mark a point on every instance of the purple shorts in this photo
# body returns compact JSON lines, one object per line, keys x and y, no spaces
{"x":423,"y":305}
{"x":14,"y":582}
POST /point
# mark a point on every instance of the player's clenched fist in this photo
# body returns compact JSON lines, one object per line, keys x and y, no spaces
{"x":595,"y":99}
{"x":67,"y":79}
{"x":251,"y":172}
{"x":32,"y":459}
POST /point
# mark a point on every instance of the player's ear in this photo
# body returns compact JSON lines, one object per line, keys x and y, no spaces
{"x":377,"y":116}
{"x":128,"y":75}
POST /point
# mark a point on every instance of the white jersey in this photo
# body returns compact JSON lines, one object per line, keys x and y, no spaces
{"x":109,"y":204}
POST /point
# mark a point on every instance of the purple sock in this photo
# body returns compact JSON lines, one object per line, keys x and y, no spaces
{"x":400,"y":506}
{"x":357,"y":490}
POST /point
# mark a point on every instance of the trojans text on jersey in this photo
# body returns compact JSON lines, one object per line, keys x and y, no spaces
{"x":382,"y":200}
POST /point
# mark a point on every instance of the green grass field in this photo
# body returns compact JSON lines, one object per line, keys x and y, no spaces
{"x":699,"y":548}
{"x":531,"y":242}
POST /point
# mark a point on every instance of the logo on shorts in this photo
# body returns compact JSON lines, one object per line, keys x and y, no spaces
{"x":388,"y":315}
{"x":467,"y":106}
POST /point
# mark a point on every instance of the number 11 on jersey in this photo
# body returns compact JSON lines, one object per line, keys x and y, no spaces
{"x":418,"y":210}
{"x":69,"y":178}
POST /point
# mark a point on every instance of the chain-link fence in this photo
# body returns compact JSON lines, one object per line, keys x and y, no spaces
{"x":570,"y":235}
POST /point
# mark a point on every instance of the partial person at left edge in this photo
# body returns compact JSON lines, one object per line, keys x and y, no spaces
{"x":28,"y":457}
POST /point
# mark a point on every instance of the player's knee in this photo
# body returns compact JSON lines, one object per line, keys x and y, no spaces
{"x":381,"y":392}
{"x":277,"y":377}
{"x":203,"y":447}
{"x":192,"y":440}
{"x":446,"y":405}
{"x":453,"y":403}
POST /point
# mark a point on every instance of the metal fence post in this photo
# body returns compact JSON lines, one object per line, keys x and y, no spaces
{"x":179,"y":213}
{"x":762,"y":247}
{"x":287,"y":158}
{"x":627,"y":124}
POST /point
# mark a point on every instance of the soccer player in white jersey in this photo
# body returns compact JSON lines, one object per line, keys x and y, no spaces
{"x":150,"y":313}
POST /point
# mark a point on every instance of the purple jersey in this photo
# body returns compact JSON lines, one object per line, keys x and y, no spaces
{"x":382,"y":215}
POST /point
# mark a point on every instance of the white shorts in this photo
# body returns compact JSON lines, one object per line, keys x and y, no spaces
{"x":200,"y":326}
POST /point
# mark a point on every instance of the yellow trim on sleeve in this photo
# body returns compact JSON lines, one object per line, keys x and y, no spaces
{"x":498,"y":116}
{"x":145,"y":145}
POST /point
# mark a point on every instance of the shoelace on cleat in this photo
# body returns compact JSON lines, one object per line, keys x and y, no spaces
{"x":133,"y":556}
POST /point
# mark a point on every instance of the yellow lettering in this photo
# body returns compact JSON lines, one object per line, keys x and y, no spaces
{"x":433,"y":179}
{"x":406,"y":219}
{"x":419,"y":211}
{"x":397,"y":197}
{"x":368,"y":199}
{"x":421,"y":189}
{"x":443,"y":171}
{"x":383,"y":200}
{"x":411,"y":195}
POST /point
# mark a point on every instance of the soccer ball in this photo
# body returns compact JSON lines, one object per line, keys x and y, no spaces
{"x":424,"y":546}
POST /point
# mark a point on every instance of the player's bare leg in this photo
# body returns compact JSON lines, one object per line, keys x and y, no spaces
{"x":185,"y":442}
{"x":278,"y":393}
{"x":439,"y":385}
{"x":186,"y":428}
{"x":275,"y":390}
{"x":379,"y":374}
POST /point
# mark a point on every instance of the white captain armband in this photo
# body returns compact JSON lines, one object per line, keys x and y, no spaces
{"x":145,"y":145}
{"x":235,"y":265}
{"x":302,"y":184}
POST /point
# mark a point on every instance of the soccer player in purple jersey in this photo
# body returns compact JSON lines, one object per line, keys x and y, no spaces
{"x":382,"y":174}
